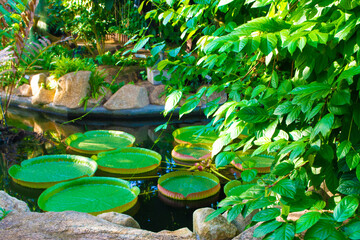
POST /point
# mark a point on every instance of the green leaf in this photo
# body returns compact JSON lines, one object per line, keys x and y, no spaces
{"x":352,"y":230}
{"x":274,"y":79}
{"x":349,"y":187}
{"x":216,"y":213}
{"x":157,"y":49}
{"x":220,"y":143}
{"x":188,"y":107}
{"x":266,"y":215}
{"x":358,"y":171}
{"x":240,"y":45}
{"x":268,"y":43}
{"x":257,"y":90}
{"x":224,"y":2}
{"x":346,"y":208}
{"x":283,"y":168}
{"x":253,"y":114}
{"x":326,"y":152}
{"x":249,"y":175}
{"x":343,"y":149}
{"x":321,"y":230}
{"x":306,"y":221}
{"x":301,"y":43}
{"x":352,"y":159}
{"x":172,"y":100}
{"x":356,"y":114}
{"x":234,"y":212}
{"x":224,"y":158}
{"x":286,"y":232}
{"x":310,"y":114}
{"x":285,"y":187}
{"x":323,"y":126}
{"x":265,"y":228}
{"x":175,"y":52}
{"x":140,"y":44}
{"x":283,"y":108}
{"x":170,"y":2}
{"x":349,"y":73}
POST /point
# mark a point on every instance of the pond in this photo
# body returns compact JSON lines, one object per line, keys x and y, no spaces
{"x":153,"y":212}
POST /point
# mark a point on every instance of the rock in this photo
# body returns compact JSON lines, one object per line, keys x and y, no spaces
{"x":36,"y":81}
{"x":240,"y":222}
{"x":25,"y":90}
{"x":9,"y":203}
{"x":43,"y":96}
{"x":69,"y":225}
{"x":182,"y":232}
{"x":248,"y":234}
{"x":154,"y":95}
{"x":72,"y":87}
{"x":129,"y":96}
{"x":217,"y":228}
{"x":127,"y":74}
{"x":120,"y":219}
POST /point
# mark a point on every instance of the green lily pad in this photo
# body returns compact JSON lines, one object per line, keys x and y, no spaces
{"x":93,"y":142}
{"x":236,"y":188}
{"x":46,"y":171}
{"x":194,"y":135}
{"x":261,"y":163}
{"x":128,"y":160}
{"x":93,"y":195}
{"x":191,"y":153}
{"x":183,"y":185}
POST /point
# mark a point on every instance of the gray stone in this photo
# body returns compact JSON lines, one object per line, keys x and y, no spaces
{"x":25,"y":90}
{"x":36,"y":81}
{"x":217,"y":228}
{"x":70,"y":225}
{"x":154,"y":95}
{"x":182,"y":232}
{"x":43,"y":96}
{"x":72,"y":87}
{"x":120,"y":219}
{"x":248,"y":234}
{"x":129,"y":96}
{"x":9,"y":203}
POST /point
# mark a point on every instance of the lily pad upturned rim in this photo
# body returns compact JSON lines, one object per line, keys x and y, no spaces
{"x":110,"y":155}
{"x":192,"y":196}
{"x":259,"y":169}
{"x":188,"y":158}
{"x":91,"y":180}
{"x":13,"y":170}
{"x":194,"y":129}
{"x":91,"y":133}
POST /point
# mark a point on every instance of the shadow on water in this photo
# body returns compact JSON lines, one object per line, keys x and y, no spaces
{"x":153,"y":211}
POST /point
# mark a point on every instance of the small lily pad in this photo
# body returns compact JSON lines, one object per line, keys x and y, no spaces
{"x":261,"y":163}
{"x":93,"y":195}
{"x":191,"y":153}
{"x":194,"y":135}
{"x":183,"y":185}
{"x":46,"y":171}
{"x":93,"y":142}
{"x":128,"y":160}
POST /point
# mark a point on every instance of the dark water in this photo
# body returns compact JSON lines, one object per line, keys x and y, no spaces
{"x":152,"y":212}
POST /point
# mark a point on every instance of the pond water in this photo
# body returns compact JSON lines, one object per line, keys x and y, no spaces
{"x":153,"y":212}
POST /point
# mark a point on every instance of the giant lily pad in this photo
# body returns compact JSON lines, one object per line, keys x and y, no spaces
{"x":129,"y":160}
{"x":191,"y":153}
{"x":194,"y":135}
{"x":183,"y":185}
{"x":93,"y":142}
{"x":46,"y":171}
{"x":261,"y":163}
{"x":93,"y":195}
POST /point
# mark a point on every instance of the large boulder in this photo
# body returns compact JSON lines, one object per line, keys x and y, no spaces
{"x":43,"y":96}
{"x":36,"y":81}
{"x":155,"y":97}
{"x":217,"y":228}
{"x":9,"y":203}
{"x":240,"y":222}
{"x":129,"y":96}
{"x":25,"y":90}
{"x":70,"y":225}
{"x":120,"y":219}
{"x":248,"y":234}
{"x":182,"y":232}
{"x":72,"y":87}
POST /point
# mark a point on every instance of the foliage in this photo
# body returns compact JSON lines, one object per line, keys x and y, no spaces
{"x":291,"y":72}
{"x":118,"y":59}
{"x":3,"y":213}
